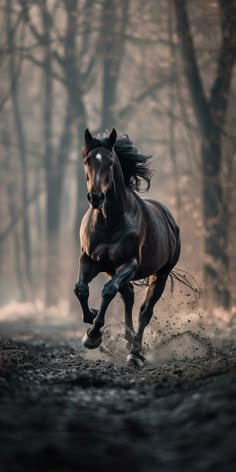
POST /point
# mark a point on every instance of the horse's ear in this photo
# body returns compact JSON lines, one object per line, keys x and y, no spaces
{"x":112,"y":137}
{"x":87,"y":137}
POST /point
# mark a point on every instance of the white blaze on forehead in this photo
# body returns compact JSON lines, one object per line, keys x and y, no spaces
{"x":99,"y":157}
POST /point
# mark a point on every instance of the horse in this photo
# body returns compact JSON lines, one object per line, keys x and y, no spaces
{"x":122,"y":235}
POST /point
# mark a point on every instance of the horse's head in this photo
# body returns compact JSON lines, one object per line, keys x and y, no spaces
{"x":98,"y":165}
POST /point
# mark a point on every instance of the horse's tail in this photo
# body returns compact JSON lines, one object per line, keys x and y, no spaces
{"x":187,"y":279}
{"x":181,"y":276}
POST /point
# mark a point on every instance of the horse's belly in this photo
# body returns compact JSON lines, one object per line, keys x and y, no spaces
{"x":148,"y":268}
{"x":154,"y":256}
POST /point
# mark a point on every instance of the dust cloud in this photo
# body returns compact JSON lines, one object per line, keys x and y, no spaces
{"x":181,"y":328}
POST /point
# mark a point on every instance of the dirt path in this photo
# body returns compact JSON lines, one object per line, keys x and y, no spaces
{"x":60,"y":411}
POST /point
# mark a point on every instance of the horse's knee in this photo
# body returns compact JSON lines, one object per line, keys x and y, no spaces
{"x":81,"y":290}
{"x":109,"y":290}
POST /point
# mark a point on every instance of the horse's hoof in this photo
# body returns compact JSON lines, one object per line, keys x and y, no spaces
{"x":135,"y":360}
{"x":91,"y":342}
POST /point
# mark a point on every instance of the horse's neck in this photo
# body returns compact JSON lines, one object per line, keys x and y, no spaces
{"x":116,"y":199}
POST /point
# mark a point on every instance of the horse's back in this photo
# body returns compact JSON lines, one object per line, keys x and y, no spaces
{"x":160,"y":209}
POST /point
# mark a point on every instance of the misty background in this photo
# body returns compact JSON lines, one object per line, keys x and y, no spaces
{"x":162,"y":72}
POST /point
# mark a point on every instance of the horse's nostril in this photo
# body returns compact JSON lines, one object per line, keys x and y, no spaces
{"x":96,"y":199}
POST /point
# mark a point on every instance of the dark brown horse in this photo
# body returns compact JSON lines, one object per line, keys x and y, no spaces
{"x":122,"y":235}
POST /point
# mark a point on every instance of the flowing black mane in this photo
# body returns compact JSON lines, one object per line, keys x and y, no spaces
{"x":135,"y":166}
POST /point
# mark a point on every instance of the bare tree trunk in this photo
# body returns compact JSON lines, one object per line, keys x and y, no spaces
{"x":17,"y":244}
{"x":113,"y":41}
{"x":22,"y":145}
{"x":16,"y":233}
{"x":109,"y":78}
{"x":210,"y":114}
{"x":40,"y":232}
{"x":73,"y":80}
{"x":55,"y":162}
{"x":172,"y":140}
{"x":52,"y":198}
{"x":216,"y":220}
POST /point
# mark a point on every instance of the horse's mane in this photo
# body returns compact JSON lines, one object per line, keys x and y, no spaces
{"x":135,"y":166}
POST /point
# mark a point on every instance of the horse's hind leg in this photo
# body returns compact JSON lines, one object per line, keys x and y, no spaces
{"x":127,"y":294}
{"x":155,"y":290}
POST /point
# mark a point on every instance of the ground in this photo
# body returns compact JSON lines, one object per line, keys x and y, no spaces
{"x":62,"y":409}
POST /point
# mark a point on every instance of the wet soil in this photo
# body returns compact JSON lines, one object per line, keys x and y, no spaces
{"x":60,"y":411}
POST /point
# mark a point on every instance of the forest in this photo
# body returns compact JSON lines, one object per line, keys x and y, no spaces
{"x":162,"y":72}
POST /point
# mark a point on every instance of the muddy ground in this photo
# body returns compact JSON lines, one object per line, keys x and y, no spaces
{"x":62,"y":409}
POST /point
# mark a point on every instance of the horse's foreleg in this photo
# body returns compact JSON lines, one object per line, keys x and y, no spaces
{"x":155,"y":290}
{"x":124,"y":273}
{"x":87,"y":271}
{"x":127,"y":294}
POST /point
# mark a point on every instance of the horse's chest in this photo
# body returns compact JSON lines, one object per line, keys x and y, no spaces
{"x":98,"y":245}
{"x":110,"y":250}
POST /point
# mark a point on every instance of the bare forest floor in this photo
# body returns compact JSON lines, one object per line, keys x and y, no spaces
{"x":63,"y":409}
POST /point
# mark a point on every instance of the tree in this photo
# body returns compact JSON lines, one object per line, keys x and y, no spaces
{"x":210,"y":113}
{"x":21,"y":139}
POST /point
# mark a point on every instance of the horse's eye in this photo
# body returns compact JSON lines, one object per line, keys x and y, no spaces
{"x":86,"y":161}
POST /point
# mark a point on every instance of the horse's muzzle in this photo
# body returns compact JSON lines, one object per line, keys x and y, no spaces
{"x":96,"y":200}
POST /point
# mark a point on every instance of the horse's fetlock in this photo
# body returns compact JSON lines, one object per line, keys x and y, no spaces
{"x":136,"y":346}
